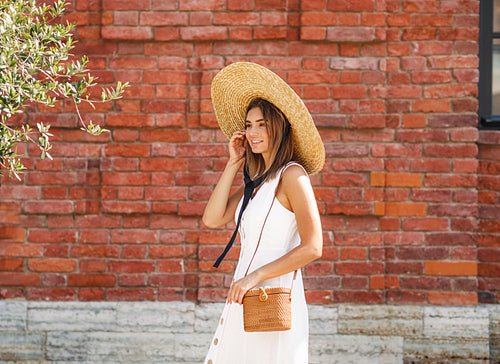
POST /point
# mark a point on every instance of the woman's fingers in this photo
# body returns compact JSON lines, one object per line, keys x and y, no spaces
{"x":235,"y":293}
{"x":237,"y":145}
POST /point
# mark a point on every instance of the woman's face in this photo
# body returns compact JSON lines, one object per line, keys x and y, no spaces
{"x":256,"y":132}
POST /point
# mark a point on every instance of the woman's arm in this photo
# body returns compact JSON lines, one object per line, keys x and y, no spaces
{"x":295,"y":193}
{"x":221,"y":206}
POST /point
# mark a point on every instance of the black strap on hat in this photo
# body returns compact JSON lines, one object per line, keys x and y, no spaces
{"x":250,"y":186}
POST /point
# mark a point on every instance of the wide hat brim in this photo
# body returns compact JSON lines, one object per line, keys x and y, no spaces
{"x":236,"y":85}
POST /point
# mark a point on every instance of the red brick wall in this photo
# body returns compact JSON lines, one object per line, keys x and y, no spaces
{"x":392,"y":87}
{"x":488,"y":241}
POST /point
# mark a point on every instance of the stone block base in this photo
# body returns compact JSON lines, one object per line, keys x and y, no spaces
{"x":180,"y":332}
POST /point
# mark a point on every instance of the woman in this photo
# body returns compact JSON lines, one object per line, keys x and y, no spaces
{"x":273,"y":133}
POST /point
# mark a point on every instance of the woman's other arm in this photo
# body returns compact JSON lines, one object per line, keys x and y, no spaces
{"x":221,"y":206}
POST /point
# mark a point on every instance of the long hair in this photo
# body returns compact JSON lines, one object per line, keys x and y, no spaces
{"x":279,"y":131}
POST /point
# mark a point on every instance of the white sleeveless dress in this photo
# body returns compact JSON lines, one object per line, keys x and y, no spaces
{"x":231,"y":344}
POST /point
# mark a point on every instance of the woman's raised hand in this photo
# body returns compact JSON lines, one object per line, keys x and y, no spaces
{"x":237,"y":145}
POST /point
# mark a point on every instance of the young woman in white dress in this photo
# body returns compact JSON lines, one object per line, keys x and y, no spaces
{"x":282,"y":145}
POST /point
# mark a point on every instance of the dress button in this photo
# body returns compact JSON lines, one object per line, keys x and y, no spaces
{"x":210,"y":362}
{"x":221,"y":321}
{"x":216,"y":341}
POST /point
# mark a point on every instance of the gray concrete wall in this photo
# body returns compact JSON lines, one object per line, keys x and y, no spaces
{"x":180,"y":332}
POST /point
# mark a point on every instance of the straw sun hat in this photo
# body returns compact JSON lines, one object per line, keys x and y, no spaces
{"x":236,"y":85}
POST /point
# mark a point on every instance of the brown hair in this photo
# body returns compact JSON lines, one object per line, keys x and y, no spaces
{"x":280,"y":140}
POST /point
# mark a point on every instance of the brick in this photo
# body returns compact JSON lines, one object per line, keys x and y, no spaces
{"x":204,"y":33}
{"x":94,"y":236}
{"x":319,"y":268}
{"x":19,"y":279}
{"x":452,"y":210}
{"x":358,"y":5}
{"x":427,"y":283}
{"x":126,"y":33}
{"x":91,"y":280}
{"x":430,"y":165}
{"x":350,"y":34}
{"x":233,"y":19}
{"x":451,"y":298}
{"x":313,"y":5}
{"x":400,"y":209}
{"x":425,"y":224}
{"x":11,"y":264}
{"x":130,"y":294}
{"x":52,"y":236}
{"x":20,"y":250}
{"x":134,"y":252}
{"x":431,"y":77}
{"x":52,"y":265}
{"x":166,"y":280}
{"x":428,"y":106}
{"x":92,"y":265}
{"x":355,"y":282}
{"x":131,"y":266}
{"x":20,"y":192}
{"x":413,"y":63}
{"x":51,"y":294}
{"x":357,"y":296}
{"x":399,"y":20}
{"x":489,"y":269}
{"x":164,"y":136}
{"x":422,"y":136}
{"x":318,"y":18}
{"x":161,"y":106}
{"x":358,"y":268}
{"x":134,"y":236}
{"x":404,"y":267}
{"x":346,"y":208}
{"x":122,"y":207}
{"x":172,"y":266}
{"x":453,"y":62}
{"x":449,"y":91}
{"x":126,"y":179}
{"x":270,"y":5}
{"x":202,"y":5}
{"x":134,"y":121}
{"x":457,"y":150}
{"x":50,"y":178}
{"x":353,"y":253}
{"x":406,"y":297}
{"x":396,"y":179}
{"x":349,"y":92}
{"x":163,"y":18}
{"x":414,"y":34}
{"x":447,"y":268}
{"x":396,"y":150}
{"x":450,"y":181}
{"x":129,"y":5}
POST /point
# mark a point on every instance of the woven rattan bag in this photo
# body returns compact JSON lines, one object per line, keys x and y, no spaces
{"x":267,"y":308}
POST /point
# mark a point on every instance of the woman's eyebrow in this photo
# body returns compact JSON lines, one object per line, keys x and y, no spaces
{"x":248,"y":121}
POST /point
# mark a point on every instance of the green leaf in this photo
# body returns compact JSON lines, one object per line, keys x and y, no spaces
{"x":34,"y":68}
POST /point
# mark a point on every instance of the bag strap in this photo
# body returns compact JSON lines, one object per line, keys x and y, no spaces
{"x":262,"y":230}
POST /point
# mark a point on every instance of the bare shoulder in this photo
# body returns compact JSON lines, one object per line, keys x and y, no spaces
{"x":295,"y":188}
{"x":296,"y":182}
{"x":293,"y":173}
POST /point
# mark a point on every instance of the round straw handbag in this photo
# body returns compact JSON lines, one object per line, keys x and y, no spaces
{"x":267,"y":309}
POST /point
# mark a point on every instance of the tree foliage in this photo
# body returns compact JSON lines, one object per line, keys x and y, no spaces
{"x":36,"y":66}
